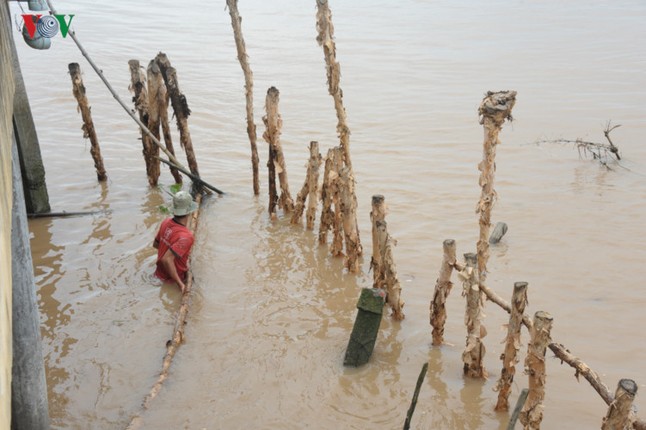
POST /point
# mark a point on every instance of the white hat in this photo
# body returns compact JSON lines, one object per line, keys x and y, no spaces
{"x":183,"y":204}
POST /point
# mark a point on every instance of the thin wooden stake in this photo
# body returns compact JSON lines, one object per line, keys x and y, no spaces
{"x":442,"y":289}
{"x":236,"y":23}
{"x":350,"y":229}
{"x":473,"y":355}
{"x":335,"y":191}
{"x":512,"y":346}
{"x":310,"y":189}
{"x":620,"y":414}
{"x":89,"y":131}
{"x":418,"y":387}
{"x":519,"y":405}
{"x":377,"y":217}
{"x":532,"y":413}
{"x":327,"y":215}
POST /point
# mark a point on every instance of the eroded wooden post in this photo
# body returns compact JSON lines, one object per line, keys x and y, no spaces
{"x":512,"y":345}
{"x":78,"y":90}
{"x":473,"y":355}
{"x":274,"y":123}
{"x":309,"y":190}
{"x":236,"y":22}
{"x":532,"y":413}
{"x":350,"y":228}
{"x":377,"y":217}
{"x":620,"y":413}
{"x":442,"y":289}
{"x":140,"y":99}
{"x":327,"y":214}
{"x":158,"y":112}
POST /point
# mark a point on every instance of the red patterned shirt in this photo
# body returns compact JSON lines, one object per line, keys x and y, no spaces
{"x":179,"y":239}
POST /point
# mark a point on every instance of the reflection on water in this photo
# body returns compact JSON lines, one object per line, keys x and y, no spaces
{"x":271,"y":312}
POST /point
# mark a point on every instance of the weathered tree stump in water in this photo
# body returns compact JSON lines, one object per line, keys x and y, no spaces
{"x":512,"y":345}
{"x":532,"y":413}
{"x":620,"y":413}
{"x":88,"y":125}
{"x":442,"y":289}
{"x":309,"y":190}
{"x":377,"y":217}
{"x":473,"y":355}
{"x":140,"y":99}
{"x":498,"y":232}
{"x":332,"y":219}
{"x":366,"y":327}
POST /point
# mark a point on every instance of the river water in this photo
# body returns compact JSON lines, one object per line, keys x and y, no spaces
{"x":271,"y":310}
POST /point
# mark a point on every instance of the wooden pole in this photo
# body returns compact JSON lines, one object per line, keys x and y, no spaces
{"x":442,"y":289}
{"x":620,"y":414}
{"x":182,"y":111}
{"x":519,"y":405}
{"x":418,"y":387}
{"x":140,"y":99}
{"x":377,"y":217}
{"x":494,"y":110}
{"x":532,"y":413}
{"x":350,"y":229}
{"x":474,"y":352}
{"x":158,"y":113}
{"x":512,"y":346}
{"x":78,"y":89}
{"x":236,"y":22}
{"x":273,"y":123}
{"x":335,"y":190}
{"x":310,"y":189}
{"x":327,"y":214}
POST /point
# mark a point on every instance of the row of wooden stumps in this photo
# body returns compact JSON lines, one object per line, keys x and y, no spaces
{"x":494,"y":110}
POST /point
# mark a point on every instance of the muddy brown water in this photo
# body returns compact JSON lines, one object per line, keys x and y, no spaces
{"x":271,"y":311}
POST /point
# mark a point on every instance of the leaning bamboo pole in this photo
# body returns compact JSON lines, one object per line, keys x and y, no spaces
{"x":273,"y":123}
{"x":442,"y":289}
{"x":236,"y":23}
{"x":620,"y":414}
{"x":310,"y":188}
{"x":78,"y":89}
{"x":473,"y":355}
{"x":494,"y":110}
{"x":158,"y":112}
{"x":178,"y":335}
{"x":512,"y":346}
{"x":140,"y":99}
{"x":532,"y":413}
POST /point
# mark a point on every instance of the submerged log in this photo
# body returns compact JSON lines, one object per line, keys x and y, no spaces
{"x":473,"y":355}
{"x":512,"y":346}
{"x":309,"y":190}
{"x":366,"y":327}
{"x":88,"y":125}
{"x":620,"y":413}
{"x":532,"y":413}
{"x":442,"y":289}
{"x":274,"y":123}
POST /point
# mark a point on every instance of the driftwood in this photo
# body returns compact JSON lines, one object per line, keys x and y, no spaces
{"x":413,"y":403}
{"x":532,"y":413}
{"x":512,"y":346}
{"x":309,"y":190}
{"x":88,"y":125}
{"x":158,"y":113}
{"x":236,"y":23}
{"x":178,"y":335}
{"x":473,"y":355}
{"x":620,"y":413}
{"x":140,"y":99}
{"x":442,"y":289}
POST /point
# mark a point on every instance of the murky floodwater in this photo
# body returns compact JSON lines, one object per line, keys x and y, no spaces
{"x":271,"y":312}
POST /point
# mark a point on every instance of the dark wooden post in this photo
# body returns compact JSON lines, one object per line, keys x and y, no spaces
{"x":473,"y":355}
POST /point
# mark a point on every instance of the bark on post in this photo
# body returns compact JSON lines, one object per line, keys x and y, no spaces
{"x":335,"y":191}
{"x":273,"y":123}
{"x":182,"y":111}
{"x":327,"y":214}
{"x":512,"y":346}
{"x":350,"y":228}
{"x":532,"y":413}
{"x":158,"y":112}
{"x":620,"y":413}
{"x":236,"y":21}
{"x":473,"y":355}
{"x":140,"y":99}
{"x":310,"y":189}
{"x":377,"y":217}
{"x":494,"y":110}
{"x":78,"y":90}
{"x":442,"y":289}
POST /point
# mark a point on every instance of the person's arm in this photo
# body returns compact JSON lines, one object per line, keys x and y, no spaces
{"x":168,"y":262}
{"x":156,"y":243}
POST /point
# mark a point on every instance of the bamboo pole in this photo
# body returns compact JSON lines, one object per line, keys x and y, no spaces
{"x":236,"y":22}
{"x":273,"y":123}
{"x":78,"y":89}
{"x":620,"y":414}
{"x":494,"y":110}
{"x":418,"y":387}
{"x":178,"y":335}
{"x":532,"y":413}
{"x":140,"y":99}
{"x":442,"y":289}
{"x":519,"y":405}
{"x":512,"y":346}
{"x":182,"y":111}
{"x":473,"y":355}
{"x":377,"y":217}
{"x":310,"y":189}
{"x":327,"y":214}
{"x":350,"y":229}
{"x":158,"y":112}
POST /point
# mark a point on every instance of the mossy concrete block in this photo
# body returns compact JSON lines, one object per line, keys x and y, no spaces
{"x":366,"y":327}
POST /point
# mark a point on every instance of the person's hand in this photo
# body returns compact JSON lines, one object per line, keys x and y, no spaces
{"x":182,"y":287}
